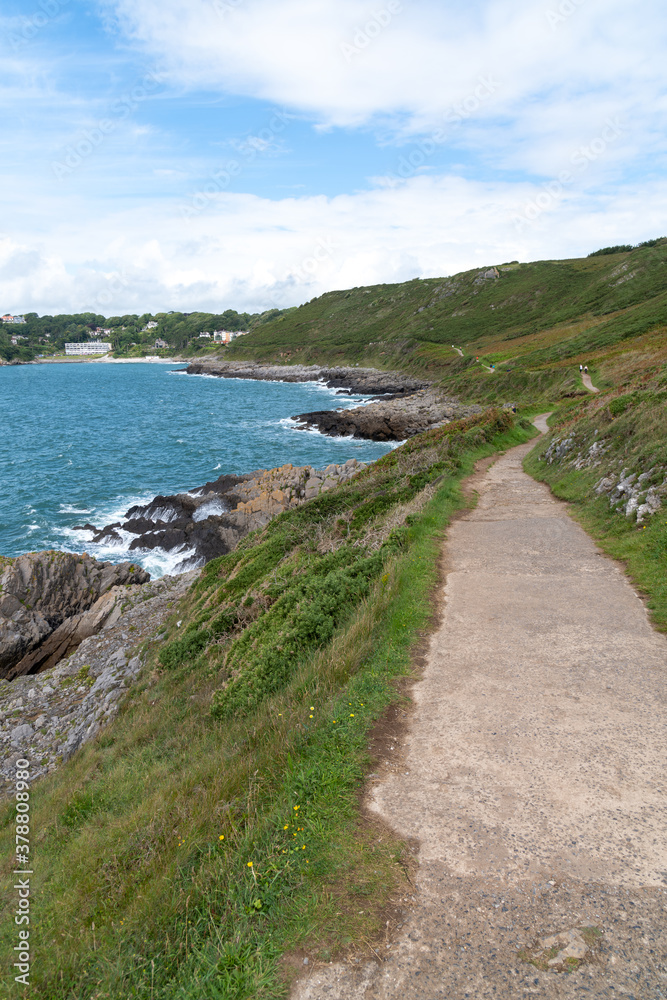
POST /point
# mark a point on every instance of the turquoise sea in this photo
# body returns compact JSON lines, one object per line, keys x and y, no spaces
{"x":83,"y":442}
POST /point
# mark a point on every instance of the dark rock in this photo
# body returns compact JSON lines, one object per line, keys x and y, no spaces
{"x":394,"y":419}
{"x":40,"y":591}
{"x":366,"y":381}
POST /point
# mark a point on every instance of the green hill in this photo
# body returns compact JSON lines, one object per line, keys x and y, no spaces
{"x":535,"y":322}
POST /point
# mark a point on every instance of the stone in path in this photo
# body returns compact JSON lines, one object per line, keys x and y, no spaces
{"x":534,"y":774}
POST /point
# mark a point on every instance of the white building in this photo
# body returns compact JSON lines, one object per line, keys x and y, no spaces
{"x":151,"y":325}
{"x":13,"y":319}
{"x":92,"y":347}
{"x":206,"y":334}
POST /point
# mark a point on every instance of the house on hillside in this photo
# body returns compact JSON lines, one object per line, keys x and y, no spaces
{"x":226,"y":336}
{"x":205,"y":334}
{"x":160,"y":344}
{"x":13,"y":319}
{"x":151,"y":325}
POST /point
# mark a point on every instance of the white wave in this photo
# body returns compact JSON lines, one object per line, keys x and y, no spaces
{"x":156,"y":514}
{"x":68,"y":508}
{"x":211,"y":509}
{"x":218,"y":466}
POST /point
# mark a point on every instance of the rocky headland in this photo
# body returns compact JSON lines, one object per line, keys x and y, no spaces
{"x":394,"y":419}
{"x":50,"y":601}
{"x":367,"y":381}
{"x":210,"y":520}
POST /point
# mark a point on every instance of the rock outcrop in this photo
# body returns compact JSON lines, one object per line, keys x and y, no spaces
{"x":49,"y":716}
{"x":367,"y":381}
{"x":389,"y":419}
{"x":50,"y":600}
{"x":210,"y":520}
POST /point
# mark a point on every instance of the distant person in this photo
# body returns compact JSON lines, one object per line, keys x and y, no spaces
{"x":586,"y":369}
{"x":581,"y":368}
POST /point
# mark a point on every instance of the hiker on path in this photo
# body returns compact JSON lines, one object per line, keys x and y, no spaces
{"x":581,"y":368}
{"x":586,"y":369}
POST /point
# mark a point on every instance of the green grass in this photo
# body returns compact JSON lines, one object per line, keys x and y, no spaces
{"x":631,"y":428}
{"x":166,"y":861}
{"x":536,"y":321}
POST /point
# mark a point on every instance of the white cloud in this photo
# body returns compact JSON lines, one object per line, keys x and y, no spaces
{"x":248,"y":252}
{"x":605,"y":57}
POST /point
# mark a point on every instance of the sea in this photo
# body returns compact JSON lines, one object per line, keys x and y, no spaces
{"x":81,"y":443}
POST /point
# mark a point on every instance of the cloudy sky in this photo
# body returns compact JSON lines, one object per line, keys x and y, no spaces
{"x":184,"y":154}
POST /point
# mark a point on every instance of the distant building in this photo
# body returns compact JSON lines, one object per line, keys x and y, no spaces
{"x":160,"y":344}
{"x":16,"y":337}
{"x":13,"y":319}
{"x":101,"y":332}
{"x":92,"y":347}
{"x":206,"y":334}
{"x":151,"y":325}
{"x":226,"y":336}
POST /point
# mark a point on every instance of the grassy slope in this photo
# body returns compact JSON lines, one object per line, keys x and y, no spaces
{"x":185,"y":850}
{"x":536,"y":322}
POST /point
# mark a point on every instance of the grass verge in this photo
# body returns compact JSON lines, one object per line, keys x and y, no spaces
{"x":217,"y":825}
{"x":594,"y":457}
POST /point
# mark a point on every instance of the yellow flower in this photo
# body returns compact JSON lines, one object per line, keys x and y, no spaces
{"x":296,"y":807}
{"x":303,"y":848}
{"x":312,"y":708}
{"x":250,"y":864}
{"x":286,"y":826}
{"x":221,"y":837}
{"x":351,"y":715}
{"x":310,"y":716}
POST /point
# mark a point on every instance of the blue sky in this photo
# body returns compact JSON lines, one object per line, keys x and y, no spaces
{"x":208,"y":154}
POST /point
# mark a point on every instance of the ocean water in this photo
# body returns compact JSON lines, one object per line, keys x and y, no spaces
{"x":83,"y":442}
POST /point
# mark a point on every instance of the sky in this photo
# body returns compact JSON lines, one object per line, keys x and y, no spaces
{"x":248,"y":154}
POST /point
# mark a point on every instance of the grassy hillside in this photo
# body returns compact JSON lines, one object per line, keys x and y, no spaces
{"x":536,"y":322}
{"x":216,"y":825}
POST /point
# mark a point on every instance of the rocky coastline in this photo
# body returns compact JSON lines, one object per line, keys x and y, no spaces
{"x":48,"y":716}
{"x":50,"y":601}
{"x":366,"y":381}
{"x":394,"y":419}
{"x":210,"y":520}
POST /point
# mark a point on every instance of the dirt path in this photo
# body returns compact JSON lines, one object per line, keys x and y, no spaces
{"x":586,"y":379}
{"x":534,"y":774}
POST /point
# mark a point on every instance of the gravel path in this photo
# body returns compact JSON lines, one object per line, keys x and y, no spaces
{"x":534,"y":773}
{"x":586,"y":379}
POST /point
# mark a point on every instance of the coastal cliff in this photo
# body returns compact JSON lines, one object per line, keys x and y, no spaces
{"x":50,"y":601}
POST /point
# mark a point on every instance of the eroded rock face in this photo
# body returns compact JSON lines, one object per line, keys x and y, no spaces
{"x":49,"y":601}
{"x":47,"y":717}
{"x":389,"y":419}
